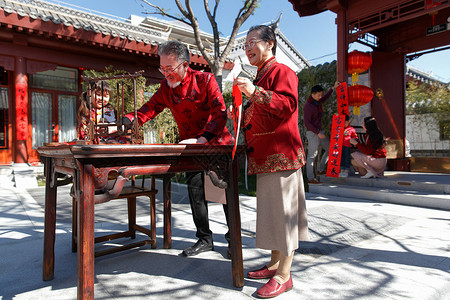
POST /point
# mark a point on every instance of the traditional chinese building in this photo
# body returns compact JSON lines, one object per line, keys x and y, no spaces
{"x":44,"y":48}
{"x":396,"y":31}
{"x":426,"y":134}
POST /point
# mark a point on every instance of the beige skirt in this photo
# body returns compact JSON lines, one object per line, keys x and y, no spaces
{"x":281,"y":219}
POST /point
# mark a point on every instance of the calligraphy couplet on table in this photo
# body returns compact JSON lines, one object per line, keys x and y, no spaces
{"x":337,"y":137}
{"x":21,"y":111}
{"x":237,"y":114}
{"x":342,"y":99}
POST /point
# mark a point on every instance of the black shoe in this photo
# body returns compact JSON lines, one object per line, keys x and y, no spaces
{"x":197,"y":248}
{"x":228,"y":253}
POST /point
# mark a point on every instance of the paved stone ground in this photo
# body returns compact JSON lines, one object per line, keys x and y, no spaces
{"x":359,"y":249}
{"x":333,"y":228}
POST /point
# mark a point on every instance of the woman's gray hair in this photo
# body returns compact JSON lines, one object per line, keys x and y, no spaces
{"x":175,"y":48}
{"x":266,"y":34}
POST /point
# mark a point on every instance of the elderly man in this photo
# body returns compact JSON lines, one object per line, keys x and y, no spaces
{"x":197,"y":104}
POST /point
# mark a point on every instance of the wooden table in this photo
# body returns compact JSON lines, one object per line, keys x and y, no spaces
{"x":90,"y":166}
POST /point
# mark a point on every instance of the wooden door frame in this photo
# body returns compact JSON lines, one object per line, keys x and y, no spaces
{"x":33,"y":155}
{"x":6,"y":154}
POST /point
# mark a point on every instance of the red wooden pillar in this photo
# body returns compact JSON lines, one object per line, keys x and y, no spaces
{"x":21,"y":112}
{"x":342,"y":46}
{"x":388,"y":82}
{"x":389,"y":110}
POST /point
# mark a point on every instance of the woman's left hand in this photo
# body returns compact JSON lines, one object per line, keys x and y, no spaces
{"x":230,"y":112}
{"x":245,"y":86}
{"x":353,"y":141}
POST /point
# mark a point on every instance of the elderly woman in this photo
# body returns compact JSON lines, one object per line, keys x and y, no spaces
{"x":275,"y":153}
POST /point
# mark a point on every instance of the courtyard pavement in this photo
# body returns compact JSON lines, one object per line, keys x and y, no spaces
{"x":358,"y":249}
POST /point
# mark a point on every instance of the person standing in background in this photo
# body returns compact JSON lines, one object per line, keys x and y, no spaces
{"x":312,"y":117}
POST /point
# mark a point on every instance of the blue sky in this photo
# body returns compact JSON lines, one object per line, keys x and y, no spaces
{"x":313,"y":36}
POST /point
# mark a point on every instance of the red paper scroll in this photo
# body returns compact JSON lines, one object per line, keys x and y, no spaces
{"x":342,"y":99}
{"x":237,"y":114}
{"x":21,"y":111}
{"x":337,"y":137}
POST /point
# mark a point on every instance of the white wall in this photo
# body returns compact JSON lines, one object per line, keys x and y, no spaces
{"x":422,"y":132}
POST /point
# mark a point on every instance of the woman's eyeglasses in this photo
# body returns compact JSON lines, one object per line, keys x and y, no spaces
{"x":251,"y":44}
{"x":169,"y":70}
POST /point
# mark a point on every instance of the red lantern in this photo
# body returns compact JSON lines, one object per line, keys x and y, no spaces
{"x":358,"y":62}
{"x":359,"y":95}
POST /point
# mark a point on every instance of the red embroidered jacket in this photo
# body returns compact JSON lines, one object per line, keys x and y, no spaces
{"x":271,"y":121}
{"x":197,"y":106}
{"x":367,"y":148}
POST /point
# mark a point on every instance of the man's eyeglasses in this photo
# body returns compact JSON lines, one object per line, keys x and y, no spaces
{"x":251,"y":44}
{"x":169,"y":70}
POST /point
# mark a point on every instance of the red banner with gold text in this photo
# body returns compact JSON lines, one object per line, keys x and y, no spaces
{"x":21,"y":111}
{"x":337,"y":137}
{"x":342,"y":99}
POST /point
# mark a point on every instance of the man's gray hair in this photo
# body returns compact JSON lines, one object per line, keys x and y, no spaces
{"x":175,"y":48}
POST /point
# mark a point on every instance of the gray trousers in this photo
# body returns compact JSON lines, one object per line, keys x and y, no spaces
{"x":313,"y":149}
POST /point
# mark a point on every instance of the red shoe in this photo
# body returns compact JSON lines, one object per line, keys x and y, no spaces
{"x":261,"y":273}
{"x":272,"y":288}
{"x":314,"y":181}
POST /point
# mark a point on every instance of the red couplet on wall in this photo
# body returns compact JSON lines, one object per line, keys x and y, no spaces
{"x":21,"y":111}
{"x":337,"y":137}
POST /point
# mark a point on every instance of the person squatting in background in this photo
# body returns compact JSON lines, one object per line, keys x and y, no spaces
{"x":370,"y":161}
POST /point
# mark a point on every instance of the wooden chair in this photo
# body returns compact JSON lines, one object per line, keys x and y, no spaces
{"x":130,"y":193}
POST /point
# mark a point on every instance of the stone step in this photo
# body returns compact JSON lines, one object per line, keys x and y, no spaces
{"x":397,"y":196}
{"x":6,"y":180}
{"x":6,"y":170}
{"x":431,"y":183}
{"x":6,"y":176}
{"x":24,"y":177}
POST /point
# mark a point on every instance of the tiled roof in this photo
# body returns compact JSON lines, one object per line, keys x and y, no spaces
{"x":50,"y":12}
{"x":423,"y":76}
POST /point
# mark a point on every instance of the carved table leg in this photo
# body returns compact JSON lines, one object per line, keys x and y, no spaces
{"x":85,"y":236}
{"x":48,"y":268}
{"x":232,"y":194}
{"x":167,"y":211}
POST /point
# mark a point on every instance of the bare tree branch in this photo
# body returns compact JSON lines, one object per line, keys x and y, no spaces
{"x":215,"y":8}
{"x":217,"y":62}
{"x":212,"y":20}
{"x":196,"y":27}
{"x":164,"y":13}
{"x":242,"y":16}
{"x":181,"y":8}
